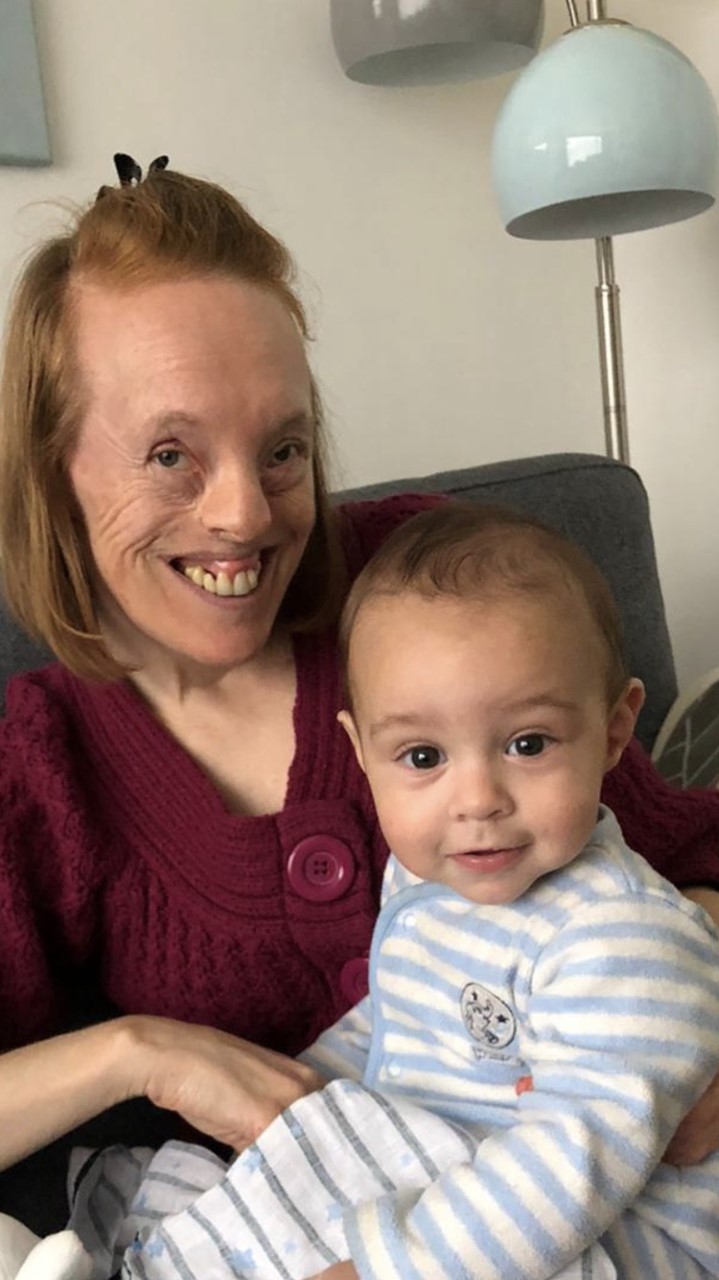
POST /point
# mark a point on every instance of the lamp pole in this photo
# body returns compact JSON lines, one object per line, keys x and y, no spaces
{"x":609,"y":319}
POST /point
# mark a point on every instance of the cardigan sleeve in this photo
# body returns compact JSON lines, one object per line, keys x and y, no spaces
{"x":676,"y":831}
{"x":365,"y":525}
{"x":46,"y":877}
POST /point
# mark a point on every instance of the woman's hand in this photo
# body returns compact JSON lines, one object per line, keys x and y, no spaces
{"x":223,"y":1086}
{"x":707,"y":898}
{"x":340,"y":1271}
{"x":698,"y":1133}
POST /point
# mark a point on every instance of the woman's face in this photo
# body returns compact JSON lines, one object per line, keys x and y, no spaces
{"x":193,"y":464}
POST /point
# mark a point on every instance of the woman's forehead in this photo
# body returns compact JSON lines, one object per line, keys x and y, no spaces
{"x":187,"y":309}
{"x":182,"y":343}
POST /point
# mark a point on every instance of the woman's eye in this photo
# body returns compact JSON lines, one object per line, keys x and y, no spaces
{"x":528,"y":744}
{"x":168,"y":458}
{"x":423,"y":757}
{"x":287,"y":453}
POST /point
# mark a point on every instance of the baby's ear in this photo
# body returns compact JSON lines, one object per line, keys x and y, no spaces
{"x":346,"y":719}
{"x":622,"y":721}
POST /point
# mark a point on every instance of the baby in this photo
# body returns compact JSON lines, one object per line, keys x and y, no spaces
{"x":544,"y":1008}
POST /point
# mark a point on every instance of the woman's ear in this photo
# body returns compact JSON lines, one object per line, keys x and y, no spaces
{"x":622,"y":720}
{"x":346,"y":719}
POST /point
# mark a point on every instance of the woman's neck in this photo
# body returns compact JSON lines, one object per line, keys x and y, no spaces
{"x":167,"y":679}
{"x":236,"y":724}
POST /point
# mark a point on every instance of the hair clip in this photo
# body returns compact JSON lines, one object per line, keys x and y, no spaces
{"x":129,"y":171}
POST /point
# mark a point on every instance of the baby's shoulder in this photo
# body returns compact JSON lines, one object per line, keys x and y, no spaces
{"x":609,"y":882}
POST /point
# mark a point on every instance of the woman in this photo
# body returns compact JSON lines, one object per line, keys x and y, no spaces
{"x":185,"y":838}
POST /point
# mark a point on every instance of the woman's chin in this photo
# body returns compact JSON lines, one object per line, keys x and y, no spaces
{"x":214,"y":648}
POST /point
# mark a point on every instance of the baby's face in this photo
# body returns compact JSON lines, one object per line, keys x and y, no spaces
{"x":484,"y":731}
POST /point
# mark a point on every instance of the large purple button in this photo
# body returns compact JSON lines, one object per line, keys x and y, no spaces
{"x":321,"y":868}
{"x":354,"y":979}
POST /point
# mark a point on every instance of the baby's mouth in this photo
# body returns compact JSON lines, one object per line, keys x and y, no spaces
{"x":221,"y":577}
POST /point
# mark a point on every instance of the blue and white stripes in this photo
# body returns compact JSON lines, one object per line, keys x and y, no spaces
{"x":500,"y":1103}
{"x":610,"y":980}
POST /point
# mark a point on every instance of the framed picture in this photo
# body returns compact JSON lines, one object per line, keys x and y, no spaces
{"x":23,"y":127}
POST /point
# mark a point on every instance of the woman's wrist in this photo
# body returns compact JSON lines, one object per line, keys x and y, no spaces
{"x":141,"y":1052}
{"x":48,"y":1088}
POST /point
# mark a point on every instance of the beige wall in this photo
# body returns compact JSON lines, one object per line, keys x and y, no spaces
{"x":440,"y":341}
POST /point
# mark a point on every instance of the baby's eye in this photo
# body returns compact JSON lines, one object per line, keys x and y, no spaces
{"x":528,"y":744}
{"x":168,"y":458}
{"x":423,"y":757}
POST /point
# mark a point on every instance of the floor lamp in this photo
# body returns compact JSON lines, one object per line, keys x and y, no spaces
{"x":609,"y":130}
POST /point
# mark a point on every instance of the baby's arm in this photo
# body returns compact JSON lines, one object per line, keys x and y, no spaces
{"x":341,"y":1052}
{"x":623,"y":1037}
{"x":698,"y":1134}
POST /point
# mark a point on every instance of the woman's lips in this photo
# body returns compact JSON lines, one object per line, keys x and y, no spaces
{"x":224,"y":578}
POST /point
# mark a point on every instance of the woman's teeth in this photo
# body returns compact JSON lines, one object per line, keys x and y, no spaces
{"x":222,"y":585}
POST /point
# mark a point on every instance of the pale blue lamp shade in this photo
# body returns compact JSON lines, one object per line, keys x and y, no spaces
{"x":609,"y":130}
{"x":410,"y":42}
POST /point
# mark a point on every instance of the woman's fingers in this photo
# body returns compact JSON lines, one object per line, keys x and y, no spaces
{"x":223,"y":1086}
{"x":698,"y":1133}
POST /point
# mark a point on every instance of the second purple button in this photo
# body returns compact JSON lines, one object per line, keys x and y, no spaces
{"x":354,"y":979}
{"x":321,"y":868}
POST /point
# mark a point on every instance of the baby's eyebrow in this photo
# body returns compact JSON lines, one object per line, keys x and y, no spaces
{"x":393,"y":722}
{"x":539,"y":701}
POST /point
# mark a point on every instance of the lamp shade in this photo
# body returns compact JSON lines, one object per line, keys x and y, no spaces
{"x":401,"y":42}
{"x":611,"y":129}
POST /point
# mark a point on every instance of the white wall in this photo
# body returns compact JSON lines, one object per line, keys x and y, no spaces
{"x":440,"y":341}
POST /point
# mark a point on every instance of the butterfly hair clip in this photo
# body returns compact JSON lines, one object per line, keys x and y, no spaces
{"x":129,"y":171}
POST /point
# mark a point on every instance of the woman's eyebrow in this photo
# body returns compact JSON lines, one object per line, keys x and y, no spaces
{"x":302,"y":420}
{"x":168,"y":418}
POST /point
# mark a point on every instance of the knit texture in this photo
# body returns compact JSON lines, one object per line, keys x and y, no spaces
{"x":124,"y":878}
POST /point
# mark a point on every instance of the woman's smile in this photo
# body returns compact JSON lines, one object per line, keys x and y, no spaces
{"x":225,"y":578}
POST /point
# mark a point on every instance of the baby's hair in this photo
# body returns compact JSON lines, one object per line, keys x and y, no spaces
{"x":490,"y":552}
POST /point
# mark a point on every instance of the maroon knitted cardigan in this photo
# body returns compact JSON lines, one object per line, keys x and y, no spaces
{"x":121,"y":868}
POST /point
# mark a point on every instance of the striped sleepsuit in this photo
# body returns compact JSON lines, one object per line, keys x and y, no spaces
{"x":500,"y":1101}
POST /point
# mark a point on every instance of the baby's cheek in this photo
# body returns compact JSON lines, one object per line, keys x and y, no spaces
{"x":576,"y":817}
{"x":407,"y":835}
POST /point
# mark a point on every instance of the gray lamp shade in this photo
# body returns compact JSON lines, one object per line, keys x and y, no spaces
{"x":609,"y":130}
{"x":402,"y":42}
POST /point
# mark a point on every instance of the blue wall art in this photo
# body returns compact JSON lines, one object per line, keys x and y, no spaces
{"x":23,"y":127}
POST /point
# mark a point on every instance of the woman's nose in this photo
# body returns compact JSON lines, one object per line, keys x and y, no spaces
{"x":235,"y":504}
{"x":480,"y":793}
